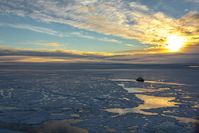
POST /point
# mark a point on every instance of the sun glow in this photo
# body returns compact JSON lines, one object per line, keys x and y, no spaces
{"x":175,"y":42}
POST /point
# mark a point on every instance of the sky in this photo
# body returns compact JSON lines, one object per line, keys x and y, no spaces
{"x":113,"y":31}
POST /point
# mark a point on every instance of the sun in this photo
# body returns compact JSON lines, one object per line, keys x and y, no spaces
{"x":175,"y":42}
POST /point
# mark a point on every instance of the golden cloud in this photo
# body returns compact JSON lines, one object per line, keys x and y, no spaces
{"x":54,"y":44}
{"x":137,"y":22}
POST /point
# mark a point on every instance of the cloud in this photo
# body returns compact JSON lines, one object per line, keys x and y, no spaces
{"x":78,"y":34}
{"x":155,"y":58}
{"x":129,"y":45}
{"x":67,"y":56}
{"x":193,"y":1}
{"x":29,"y":55}
{"x":54,"y":44}
{"x":57,"y":33}
{"x":35,"y":59}
{"x":29,"y":59}
{"x":32,"y":28}
{"x":131,"y":20}
{"x":5,"y":51}
{"x":189,"y":27}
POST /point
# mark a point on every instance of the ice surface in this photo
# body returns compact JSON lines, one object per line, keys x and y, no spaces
{"x":32,"y":96}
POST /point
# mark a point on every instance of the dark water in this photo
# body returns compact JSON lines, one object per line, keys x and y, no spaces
{"x":53,"y":98}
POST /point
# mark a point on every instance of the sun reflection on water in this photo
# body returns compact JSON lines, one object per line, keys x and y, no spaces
{"x":141,"y":90}
{"x":150,"y":102}
{"x":153,"y":102}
